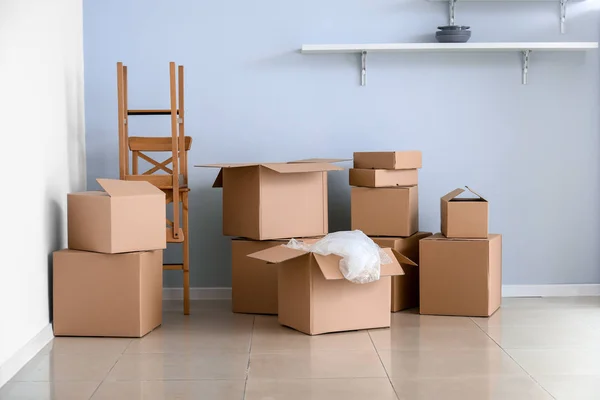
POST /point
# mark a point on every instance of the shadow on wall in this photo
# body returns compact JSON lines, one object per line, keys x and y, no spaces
{"x":54,"y":233}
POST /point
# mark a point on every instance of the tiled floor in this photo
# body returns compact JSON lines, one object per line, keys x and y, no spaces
{"x":531,"y":349}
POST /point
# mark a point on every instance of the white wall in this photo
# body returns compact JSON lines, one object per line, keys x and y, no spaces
{"x":43,"y":142}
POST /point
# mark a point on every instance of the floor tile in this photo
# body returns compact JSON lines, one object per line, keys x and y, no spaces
{"x":162,"y":341}
{"x":270,"y":337}
{"x":317,"y":364}
{"x":210,"y":364}
{"x":320,"y":389}
{"x":449,"y":363}
{"x":431,"y":339}
{"x":180,"y":390}
{"x":67,"y":367}
{"x":540,"y":337}
{"x":572,"y":387}
{"x":549,"y":317}
{"x":77,"y":345}
{"x":558,"y":361}
{"x":477,"y":388}
{"x":412,"y":319}
{"x":47,"y":390}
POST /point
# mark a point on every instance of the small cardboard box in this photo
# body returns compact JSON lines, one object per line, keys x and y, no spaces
{"x":405,"y":288}
{"x":385,"y":211}
{"x":461,"y":276}
{"x":127,"y":216}
{"x":388,"y":159}
{"x":275,"y":201}
{"x":112,"y":295}
{"x":464,"y":217}
{"x":315,"y":298}
{"x":384,"y":177}
{"x":253,"y":282}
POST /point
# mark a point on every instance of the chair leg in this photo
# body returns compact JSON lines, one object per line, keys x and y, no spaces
{"x":186,"y":255}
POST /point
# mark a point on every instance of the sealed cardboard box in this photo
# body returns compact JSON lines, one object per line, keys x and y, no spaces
{"x":461,"y":276}
{"x":112,"y":295}
{"x":253,"y":282}
{"x":405,"y":288}
{"x":127,"y":216}
{"x":276,"y":200}
{"x":388,"y":159}
{"x":385,"y":211}
{"x":315,"y":298}
{"x":383,"y":177}
{"x":464,"y":217}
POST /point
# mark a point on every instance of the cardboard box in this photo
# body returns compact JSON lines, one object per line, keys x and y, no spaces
{"x":385,"y":211}
{"x":315,"y":298}
{"x":114,"y":295}
{"x":405,"y":288}
{"x":274,"y":201}
{"x":384,"y":177}
{"x":388,"y":159}
{"x":464,"y":217}
{"x":253,"y":282}
{"x":127,"y":216}
{"x":460,"y":276}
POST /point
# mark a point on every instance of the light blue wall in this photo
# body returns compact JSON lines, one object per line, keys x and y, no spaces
{"x":250,"y":96}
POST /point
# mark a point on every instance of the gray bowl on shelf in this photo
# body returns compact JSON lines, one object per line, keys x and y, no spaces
{"x":453,"y":36}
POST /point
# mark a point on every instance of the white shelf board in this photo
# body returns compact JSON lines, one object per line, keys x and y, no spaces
{"x":510,"y":1}
{"x":441,"y":47}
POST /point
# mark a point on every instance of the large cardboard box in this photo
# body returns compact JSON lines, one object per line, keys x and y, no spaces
{"x":461,"y":276}
{"x":114,"y":295}
{"x":127,"y":216}
{"x":314,"y":297}
{"x":464,"y":217}
{"x":383,"y":177}
{"x":385,"y":211}
{"x":388,"y":159}
{"x":274,"y":200}
{"x":405,"y":288}
{"x":253,"y":282}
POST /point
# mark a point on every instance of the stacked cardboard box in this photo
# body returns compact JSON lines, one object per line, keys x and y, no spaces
{"x":385,"y":206}
{"x":461,"y":268}
{"x":265,"y":204}
{"x":109,"y":281}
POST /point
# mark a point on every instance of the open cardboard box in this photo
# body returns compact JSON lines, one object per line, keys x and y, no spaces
{"x":314,"y":297}
{"x":465,"y":218}
{"x":265,"y":201}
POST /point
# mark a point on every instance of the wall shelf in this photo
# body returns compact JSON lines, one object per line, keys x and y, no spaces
{"x":524,"y":47}
{"x":562,"y":8}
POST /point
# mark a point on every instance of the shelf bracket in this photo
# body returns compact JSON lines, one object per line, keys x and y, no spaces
{"x":452,"y":5}
{"x":363,"y":70}
{"x":563,"y":15}
{"x":526,"y":54}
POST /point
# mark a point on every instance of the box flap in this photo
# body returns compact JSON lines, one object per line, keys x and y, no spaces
{"x":277,"y":254}
{"x":116,"y":187}
{"x":453,"y":194}
{"x":289,"y":168}
{"x":228,"y":165}
{"x":475,"y":193}
{"x":320,"y":160}
{"x":219,"y":180}
{"x":394,"y":268}
{"x":403,"y":260}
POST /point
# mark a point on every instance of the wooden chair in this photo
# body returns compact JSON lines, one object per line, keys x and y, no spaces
{"x":172,"y":180}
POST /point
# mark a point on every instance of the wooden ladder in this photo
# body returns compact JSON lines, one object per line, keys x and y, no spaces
{"x":172,"y":180}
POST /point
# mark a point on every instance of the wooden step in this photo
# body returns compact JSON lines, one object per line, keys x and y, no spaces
{"x":173,"y":267}
{"x":150,"y":112}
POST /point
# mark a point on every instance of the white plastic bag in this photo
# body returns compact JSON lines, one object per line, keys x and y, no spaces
{"x":361,"y":257}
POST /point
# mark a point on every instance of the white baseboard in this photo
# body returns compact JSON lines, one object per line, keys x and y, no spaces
{"x":551,"y":290}
{"x":25,"y":354}
{"x":198,"y":293}
{"x":224,"y":293}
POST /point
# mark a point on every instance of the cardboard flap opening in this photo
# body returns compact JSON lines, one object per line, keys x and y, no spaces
{"x":321,"y":160}
{"x":475,"y":193}
{"x":290,"y":168}
{"x":228,"y":165}
{"x":329,"y":266}
{"x":403,"y":260}
{"x":277,"y":254}
{"x":394,"y":268}
{"x":117,"y":187}
{"x":453,"y":194}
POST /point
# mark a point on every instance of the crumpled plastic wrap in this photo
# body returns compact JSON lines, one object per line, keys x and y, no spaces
{"x":361,"y":257}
